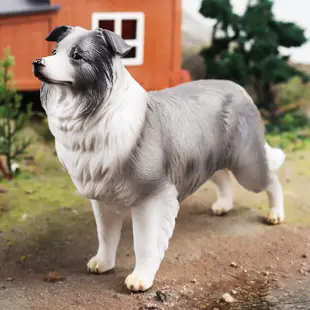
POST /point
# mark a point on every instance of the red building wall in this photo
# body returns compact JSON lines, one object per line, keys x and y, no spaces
{"x":25,"y":35}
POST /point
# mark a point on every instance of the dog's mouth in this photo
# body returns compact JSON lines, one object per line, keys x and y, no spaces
{"x":47,"y":80}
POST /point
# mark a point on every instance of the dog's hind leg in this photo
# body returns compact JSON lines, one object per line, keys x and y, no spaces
{"x":224,"y":201}
{"x":257,"y":172}
{"x":109,"y":226}
{"x":153,"y":222}
{"x":275,"y":198}
{"x":275,"y":159}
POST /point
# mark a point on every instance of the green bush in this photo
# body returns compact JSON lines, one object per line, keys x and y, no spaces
{"x":12,"y":120}
{"x":290,"y":140}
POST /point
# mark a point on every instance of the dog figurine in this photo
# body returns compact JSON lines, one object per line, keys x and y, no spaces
{"x":128,"y":149}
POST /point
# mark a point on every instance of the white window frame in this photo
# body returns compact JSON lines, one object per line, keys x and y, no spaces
{"x":118,"y":17}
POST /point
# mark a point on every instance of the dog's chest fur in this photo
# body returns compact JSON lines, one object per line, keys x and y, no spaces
{"x":95,"y":151}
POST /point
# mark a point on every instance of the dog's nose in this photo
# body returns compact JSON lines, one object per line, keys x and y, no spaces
{"x":39,"y":62}
{"x":37,"y":65}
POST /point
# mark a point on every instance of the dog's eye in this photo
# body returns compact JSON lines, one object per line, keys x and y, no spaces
{"x":76,"y":56}
{"x":54,"y":52}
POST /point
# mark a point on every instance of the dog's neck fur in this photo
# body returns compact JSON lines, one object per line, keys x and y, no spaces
{"x":126,"y":93}
{"x":93,"y":149}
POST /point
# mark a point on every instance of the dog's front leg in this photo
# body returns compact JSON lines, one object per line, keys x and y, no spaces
{"x":153,"y":222}
{"x":109,"y":226}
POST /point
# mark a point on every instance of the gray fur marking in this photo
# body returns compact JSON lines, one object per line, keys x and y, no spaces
{"x":200,"y":127}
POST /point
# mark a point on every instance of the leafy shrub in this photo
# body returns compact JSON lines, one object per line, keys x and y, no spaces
{"x":12,"y":119}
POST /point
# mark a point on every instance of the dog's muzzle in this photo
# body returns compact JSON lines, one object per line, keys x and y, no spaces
{"x":38,"y":64}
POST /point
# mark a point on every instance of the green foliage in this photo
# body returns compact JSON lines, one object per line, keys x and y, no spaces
{"x":222,"y":11}
{"x":12,"y":119}
{"x":255,"y":59}
{"x":292,"y":132}
{"x":291,"y":141}
{"x":291,"y":99}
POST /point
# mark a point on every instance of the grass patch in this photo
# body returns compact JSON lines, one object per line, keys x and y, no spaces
{"x":32,"y":197}
{"x":292,"y":141}
{"x":41,"y":187}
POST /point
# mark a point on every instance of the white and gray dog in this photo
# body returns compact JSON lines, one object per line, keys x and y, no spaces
{"x":128,"y":149}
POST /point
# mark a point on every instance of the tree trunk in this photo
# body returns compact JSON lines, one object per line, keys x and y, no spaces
{"x":2,"y":169}
{"x":270,"y":103}
{"x":266,"y":100}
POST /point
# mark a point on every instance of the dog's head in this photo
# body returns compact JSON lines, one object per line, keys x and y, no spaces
{"x":82,"y":60}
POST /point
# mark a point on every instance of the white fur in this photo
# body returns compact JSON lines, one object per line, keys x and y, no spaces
{"x":275,"y":157}
{"x":109,"y":226}
{"x":124,"y":114}
{"x":54,"y":68}
{"x":153,"y":223}
{"x":224,"y":201}
{"x":276,"y":203}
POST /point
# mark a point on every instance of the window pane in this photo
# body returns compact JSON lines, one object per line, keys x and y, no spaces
{"x":132,"y":53}
{"x":107,"y":24}
{"x":129,"y":29}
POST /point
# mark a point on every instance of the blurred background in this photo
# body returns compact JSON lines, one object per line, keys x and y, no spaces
{"x":261,"y":44}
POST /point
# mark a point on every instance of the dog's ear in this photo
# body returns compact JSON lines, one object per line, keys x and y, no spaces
{"x":116,"y":43}
{"x":58,"y":33}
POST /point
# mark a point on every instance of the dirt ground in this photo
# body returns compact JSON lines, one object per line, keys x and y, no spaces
{"x":260,"y":266}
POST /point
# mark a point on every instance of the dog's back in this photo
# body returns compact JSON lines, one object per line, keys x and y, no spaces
{"x":206,"y":126}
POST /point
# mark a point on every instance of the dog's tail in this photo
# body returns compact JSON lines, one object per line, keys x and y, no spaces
{"x":275,"y":157}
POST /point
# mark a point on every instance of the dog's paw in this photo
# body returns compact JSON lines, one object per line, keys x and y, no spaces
{"x":275,"y":217}
{"x":139,"y":281}
{"x":221,"y":206}
{"x":98,"y":264}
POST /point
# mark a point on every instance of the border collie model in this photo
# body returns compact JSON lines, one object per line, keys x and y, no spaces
{"x":145,"y":152}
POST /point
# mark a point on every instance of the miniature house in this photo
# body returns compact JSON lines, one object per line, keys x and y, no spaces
{"x":153,"y":28}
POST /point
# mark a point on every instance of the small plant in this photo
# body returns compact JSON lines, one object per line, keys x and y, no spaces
{"x":12,"y":119}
